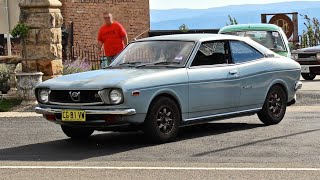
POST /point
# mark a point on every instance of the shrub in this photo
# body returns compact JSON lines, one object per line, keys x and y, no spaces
{"x":71,"y":67}
{"x":311,"y":35}
{"x":183,"y":28}
{"x":4,"y":77}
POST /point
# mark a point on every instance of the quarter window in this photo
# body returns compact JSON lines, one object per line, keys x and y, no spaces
{"x":242,"y":52}
{"x":211,"y":53}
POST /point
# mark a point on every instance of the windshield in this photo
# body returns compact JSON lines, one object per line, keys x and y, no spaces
{"x":269,"y":39}
{"x":154,"y":53}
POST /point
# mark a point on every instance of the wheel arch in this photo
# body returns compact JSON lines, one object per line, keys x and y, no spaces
{"x":166,"y":93}
{"x":280,"y":83}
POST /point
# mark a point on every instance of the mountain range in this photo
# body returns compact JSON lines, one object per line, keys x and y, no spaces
{"x":216,"y":18}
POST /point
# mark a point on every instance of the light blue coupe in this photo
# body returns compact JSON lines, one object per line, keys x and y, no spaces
{"x":162,"y":83}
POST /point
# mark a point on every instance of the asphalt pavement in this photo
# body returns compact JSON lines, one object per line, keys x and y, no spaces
{"x":240,"y":148}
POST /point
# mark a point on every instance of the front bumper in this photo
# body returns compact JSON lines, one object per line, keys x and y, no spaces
{"x":96,"y":119}
{"x":314,"y":69}
{"x":124,"y":112}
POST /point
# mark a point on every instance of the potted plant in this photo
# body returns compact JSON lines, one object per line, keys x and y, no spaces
{"x":27,"y":79}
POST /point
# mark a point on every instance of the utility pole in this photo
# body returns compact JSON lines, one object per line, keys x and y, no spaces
{"x":6,"y":10}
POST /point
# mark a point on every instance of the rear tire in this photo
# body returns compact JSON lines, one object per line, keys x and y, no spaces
{"x":163,"y":120}
{"x":274,"y":107}
{"x":308,"y":76}
{"x":77,"y":133}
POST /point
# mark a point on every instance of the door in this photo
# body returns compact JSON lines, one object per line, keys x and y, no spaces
{"x":214,"y":86}
{"x":253,"y":73}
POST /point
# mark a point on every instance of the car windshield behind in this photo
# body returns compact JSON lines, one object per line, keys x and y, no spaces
{"x":269,"y":39}
{"x":155,"y":53}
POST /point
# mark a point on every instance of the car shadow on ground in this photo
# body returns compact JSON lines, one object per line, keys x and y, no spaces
{"x":108,"y":144}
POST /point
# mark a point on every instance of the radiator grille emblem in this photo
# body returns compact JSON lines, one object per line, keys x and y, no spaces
{"x":75,"y":96}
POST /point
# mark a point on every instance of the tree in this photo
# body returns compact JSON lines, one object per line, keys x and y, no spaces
{"x":232,"y":21}
{"x":311,"y":36}
{"x":184,"y":28}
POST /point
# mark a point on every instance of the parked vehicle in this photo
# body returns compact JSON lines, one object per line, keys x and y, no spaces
{"x":309,"y":59}
{"x":269,"y":35}
{"x":162,"y":83}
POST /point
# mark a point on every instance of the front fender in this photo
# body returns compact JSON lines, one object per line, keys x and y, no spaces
{"x":280,"y":82}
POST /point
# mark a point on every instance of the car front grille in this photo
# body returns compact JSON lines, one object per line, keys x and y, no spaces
{"x":84,"y":97}
{"x":302,"y":56}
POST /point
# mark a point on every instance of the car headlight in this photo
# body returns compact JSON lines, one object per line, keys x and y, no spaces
{"x":294,"y":56}
{"x":115,"y":96}
{"x":318,"y":56}
{"x":43,"y":96}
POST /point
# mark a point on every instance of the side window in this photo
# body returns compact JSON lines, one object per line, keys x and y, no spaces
{"x":211,"y":53}
{"x":242,"y":52}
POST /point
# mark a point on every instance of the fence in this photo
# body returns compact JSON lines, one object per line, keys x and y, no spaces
{"x":87,"y":54}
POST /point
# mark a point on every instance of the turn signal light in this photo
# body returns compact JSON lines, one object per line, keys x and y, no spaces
{"x":111,"y":118}
{"x":50,"y":117}
{"x":135,"y":93}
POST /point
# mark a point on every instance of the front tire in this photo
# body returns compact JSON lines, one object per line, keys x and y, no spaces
{"x":163,"y":120}
{"x":308,"y":76}
{"x":77,"y":133}
{"x":274,"y":107}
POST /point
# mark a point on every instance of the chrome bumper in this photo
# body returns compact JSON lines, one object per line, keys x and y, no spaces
{"x":298,"y":85}
{"x":125,"y":112}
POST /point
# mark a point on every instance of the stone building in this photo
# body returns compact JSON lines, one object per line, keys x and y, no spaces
{"x":134,"y":15}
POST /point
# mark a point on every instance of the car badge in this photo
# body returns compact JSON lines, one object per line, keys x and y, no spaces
{"x":75,"y":96}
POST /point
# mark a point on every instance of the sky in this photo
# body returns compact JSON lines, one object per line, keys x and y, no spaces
{"x":205,"y":4}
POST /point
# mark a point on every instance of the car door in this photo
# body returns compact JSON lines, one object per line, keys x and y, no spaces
{"x":253,"y":73}
{"x":214,"y":86}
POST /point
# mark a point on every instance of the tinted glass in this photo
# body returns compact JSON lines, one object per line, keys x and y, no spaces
{"x":242,"y":52}
{"x":211,"y":53}
{"x":269,"y":39}
{"x":155,"y":53}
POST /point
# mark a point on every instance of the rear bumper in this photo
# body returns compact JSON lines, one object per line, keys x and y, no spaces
{"x":298,"y":85}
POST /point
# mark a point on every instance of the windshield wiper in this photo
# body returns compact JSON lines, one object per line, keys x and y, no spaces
{"x":166,"y":63}
{"x":130,"y":63}
{"x":158,"y":63}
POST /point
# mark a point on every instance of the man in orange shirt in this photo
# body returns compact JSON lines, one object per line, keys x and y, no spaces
{"x":113,"y":37}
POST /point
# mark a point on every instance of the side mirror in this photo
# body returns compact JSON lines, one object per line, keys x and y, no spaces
{"x":270,"y":55}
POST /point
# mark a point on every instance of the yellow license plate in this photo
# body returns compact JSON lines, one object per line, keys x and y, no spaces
{"x":74,"y":115}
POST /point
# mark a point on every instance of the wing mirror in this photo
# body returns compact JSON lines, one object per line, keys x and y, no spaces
{"x":270,"y":55}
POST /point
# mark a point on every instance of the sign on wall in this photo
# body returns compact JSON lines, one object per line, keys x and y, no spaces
{"x":13,"y":11}
{"x":287,"y":23}
{"x":284,"y":22}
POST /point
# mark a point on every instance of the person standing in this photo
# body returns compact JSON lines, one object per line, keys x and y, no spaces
{"x":113,"y":37}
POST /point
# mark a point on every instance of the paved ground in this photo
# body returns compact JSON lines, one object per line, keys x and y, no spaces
{"x":241,"y":148}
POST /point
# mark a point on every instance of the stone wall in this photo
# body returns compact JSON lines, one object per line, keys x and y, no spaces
{"x":134,"y":15}
{"x":43,"y":50}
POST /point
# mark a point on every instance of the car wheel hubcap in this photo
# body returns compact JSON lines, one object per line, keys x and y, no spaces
{"x":165,"y":120}
{"x":275,"y":104}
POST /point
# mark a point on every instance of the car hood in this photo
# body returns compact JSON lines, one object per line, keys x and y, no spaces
{"x":309,"y":49}
{"x":98,"y":79}
{"x":282,"y":53}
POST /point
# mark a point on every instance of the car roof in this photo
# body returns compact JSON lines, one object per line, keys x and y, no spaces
{"x":248,"y":27}
{"x":192,"y":37}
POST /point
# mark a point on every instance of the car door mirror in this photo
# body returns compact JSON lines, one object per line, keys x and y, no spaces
{"x":270,"y":55}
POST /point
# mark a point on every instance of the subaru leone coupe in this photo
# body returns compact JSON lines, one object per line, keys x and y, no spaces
{"x":161,"y":84}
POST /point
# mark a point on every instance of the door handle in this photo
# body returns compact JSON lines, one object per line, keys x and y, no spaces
{"x":233,"y":72}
